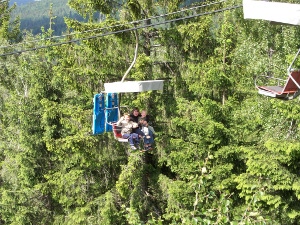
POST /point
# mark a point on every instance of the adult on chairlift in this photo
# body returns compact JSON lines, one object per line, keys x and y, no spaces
{"x":135,"y":114}
{"x":134,"y":117}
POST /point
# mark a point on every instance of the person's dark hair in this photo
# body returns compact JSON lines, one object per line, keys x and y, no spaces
{"x":135,"y":108}
{"x":143,"y":119}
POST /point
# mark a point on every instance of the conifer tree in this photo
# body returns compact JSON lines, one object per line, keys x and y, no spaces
{"x":223,"y":153}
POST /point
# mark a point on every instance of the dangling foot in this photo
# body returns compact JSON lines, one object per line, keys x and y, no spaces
{"x":132,"y":147}
{"x":149,"y":147}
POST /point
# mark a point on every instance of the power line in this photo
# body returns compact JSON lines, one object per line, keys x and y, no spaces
{"x":114,"y":26}
{"x":121,"y":31}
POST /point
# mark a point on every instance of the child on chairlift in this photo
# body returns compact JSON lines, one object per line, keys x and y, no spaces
{"x":144,"y":115}
{"x":127,"y":131}
{"x":148,"y":132}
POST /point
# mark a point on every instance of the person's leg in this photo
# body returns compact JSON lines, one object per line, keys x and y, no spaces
{"x":146,"y":141}
{"x":130,"y":140}
{"x":139,"y":132}
{"x":151,"y":136}
{"x":135,"y":139}
{"x":149,"y":140}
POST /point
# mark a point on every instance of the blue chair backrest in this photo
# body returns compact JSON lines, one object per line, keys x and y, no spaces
{"x":98,"y":114}
{"x":112,"y":110}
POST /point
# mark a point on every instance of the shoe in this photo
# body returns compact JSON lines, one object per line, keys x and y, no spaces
{"x":133,"y":147}
{"x":148,"y":148}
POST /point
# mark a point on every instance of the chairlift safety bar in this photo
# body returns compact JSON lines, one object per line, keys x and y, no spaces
{"x":290,"y":68}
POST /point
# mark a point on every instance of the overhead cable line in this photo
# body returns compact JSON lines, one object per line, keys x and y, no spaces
{"x":114,"y":26}
{"x":121,"y":31}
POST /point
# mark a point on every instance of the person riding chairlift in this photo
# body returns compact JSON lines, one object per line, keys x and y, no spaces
{"x":148,"y":132}
{"x":127,"y":131}
{"x":134,"y":117}
{"x":144,"y":115}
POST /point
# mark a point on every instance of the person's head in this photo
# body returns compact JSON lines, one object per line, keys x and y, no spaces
{"x":126,"y":116}
{"x":144,"y":113}
{"x":144,"y":122}
{"x":135,"y":111}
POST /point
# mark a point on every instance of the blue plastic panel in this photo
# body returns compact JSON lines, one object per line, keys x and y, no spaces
{"x":111,"y":112}
{"x":98,"y":114}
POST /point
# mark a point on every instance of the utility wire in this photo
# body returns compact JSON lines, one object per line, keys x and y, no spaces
{"x":121,"y":31}
{"x":114,"y":26}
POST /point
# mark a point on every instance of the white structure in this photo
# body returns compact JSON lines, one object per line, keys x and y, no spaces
{"x":134,"y":86}
{"x":279,"y":12}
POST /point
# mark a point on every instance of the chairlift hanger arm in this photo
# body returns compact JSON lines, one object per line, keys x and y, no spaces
{"x":135,"y":55}
{"x":290,"y":67}
{"x":133,"y":86}
{"x":290,"y":70}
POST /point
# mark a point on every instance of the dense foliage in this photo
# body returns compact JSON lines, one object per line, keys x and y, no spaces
{"x":223,"y":154}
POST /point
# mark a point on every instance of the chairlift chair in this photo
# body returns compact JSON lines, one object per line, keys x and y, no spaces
{"x":289,"y":90}
{"x":278,"y":13}
{"x":113,"y":90}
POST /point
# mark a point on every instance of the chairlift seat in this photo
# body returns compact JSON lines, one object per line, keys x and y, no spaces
{"x":111,"y":110}
{"x":288,"y":89}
